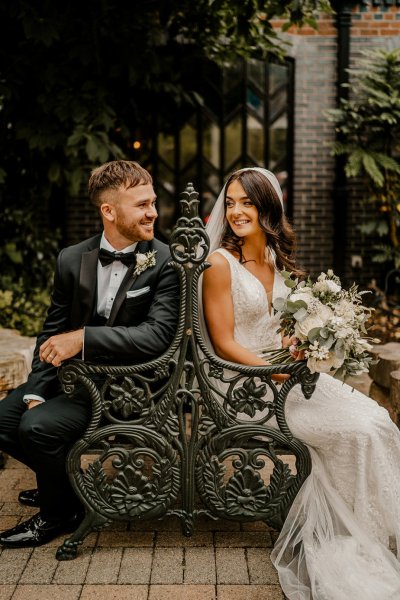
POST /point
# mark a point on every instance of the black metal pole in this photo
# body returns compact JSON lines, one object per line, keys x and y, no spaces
{"x":340,"y":191}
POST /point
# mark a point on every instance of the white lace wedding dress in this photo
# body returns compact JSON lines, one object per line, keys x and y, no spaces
{"x":334,"y":543}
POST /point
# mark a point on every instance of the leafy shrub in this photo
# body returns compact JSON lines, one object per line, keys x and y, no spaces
{"x":369,"y":128}
{"x":27,"y":261}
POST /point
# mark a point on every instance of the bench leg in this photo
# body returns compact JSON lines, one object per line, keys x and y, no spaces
{"x":69,"y":549}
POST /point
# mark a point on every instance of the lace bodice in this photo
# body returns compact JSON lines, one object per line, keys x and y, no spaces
{"x":256,"y":323}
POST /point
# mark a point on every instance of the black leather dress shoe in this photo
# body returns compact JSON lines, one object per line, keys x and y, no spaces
{"x":37,"y":531}
{"x":29,"y":497}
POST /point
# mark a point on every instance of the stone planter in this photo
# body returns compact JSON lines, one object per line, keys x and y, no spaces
{"x":16,"y":353}
{"x":385,"y":375}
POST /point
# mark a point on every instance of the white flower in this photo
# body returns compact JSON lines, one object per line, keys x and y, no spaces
{"x":327,"y":286}
{"x":345,"y":309}
{"x":324,"y":312}
{"x":344,"y":332}
{"x":317,"y":351}
{"x":333,"y":287}
{"x":145,"y":261}
{"x":319,"y":318}
{"x":321,"y":286}
{"x":331,"y":362}
{"x":304,"y":294}
{"x":336,"y":321}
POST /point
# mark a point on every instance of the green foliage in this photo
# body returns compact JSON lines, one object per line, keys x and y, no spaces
{"x":226,"y":29}
{"x":369,"y":129}
{"x":27,"y":259}
{"x":22,"y":309}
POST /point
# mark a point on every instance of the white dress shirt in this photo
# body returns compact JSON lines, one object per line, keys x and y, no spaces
{"x":109,"y":278}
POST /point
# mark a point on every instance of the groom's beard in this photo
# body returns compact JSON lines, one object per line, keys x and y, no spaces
{"x":136,"y":232}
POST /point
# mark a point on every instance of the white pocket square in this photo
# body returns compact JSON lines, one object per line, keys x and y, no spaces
{"x":135,"y":293}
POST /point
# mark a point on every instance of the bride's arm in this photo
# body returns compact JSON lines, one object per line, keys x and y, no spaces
{"x":218,"y":312}
{"x":219,"y":315}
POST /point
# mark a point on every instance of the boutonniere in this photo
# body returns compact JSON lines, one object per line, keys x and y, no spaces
{"x":145,"y":261}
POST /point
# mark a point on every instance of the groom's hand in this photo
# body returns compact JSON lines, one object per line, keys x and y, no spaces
{"x":60,"y":347}
{"x":32,"y":403}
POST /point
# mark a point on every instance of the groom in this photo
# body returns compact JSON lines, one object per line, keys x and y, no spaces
{"x":115,"y":300}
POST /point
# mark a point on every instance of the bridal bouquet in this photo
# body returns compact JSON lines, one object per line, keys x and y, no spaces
{"x":329,"y":324}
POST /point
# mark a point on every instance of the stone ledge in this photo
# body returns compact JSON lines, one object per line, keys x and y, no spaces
{"x":385,"y":375}
{"x":16,"y":353}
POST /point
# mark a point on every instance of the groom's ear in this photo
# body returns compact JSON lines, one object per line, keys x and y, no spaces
{"x":107,"y":212}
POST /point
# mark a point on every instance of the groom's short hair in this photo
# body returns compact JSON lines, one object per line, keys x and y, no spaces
{"x":115,"y":174}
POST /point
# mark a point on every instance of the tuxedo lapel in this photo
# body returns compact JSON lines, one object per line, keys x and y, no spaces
{"x":88,"y":283}
{"x":126,"y":284}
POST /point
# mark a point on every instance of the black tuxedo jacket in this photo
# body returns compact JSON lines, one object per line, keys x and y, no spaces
{"x":139,"y":328}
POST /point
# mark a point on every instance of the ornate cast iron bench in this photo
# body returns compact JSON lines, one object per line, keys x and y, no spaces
{"x":171,"y":443}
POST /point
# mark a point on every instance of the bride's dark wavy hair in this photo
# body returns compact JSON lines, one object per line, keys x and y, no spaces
{"x":271,"y":217}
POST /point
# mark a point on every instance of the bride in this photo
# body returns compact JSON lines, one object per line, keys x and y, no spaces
{"x":334,"y":542}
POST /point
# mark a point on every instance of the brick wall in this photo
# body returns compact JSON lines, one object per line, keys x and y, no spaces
{"x":315,"y":65}
{"x":376,"y":21}
{"x":314,"y":53}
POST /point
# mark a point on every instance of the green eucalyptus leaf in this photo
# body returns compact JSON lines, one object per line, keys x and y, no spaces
{"x":300,"y":304}
{"x":300,"y":314}
{"x":313,"y":334}
{"x":328,"y":342}
{"x":290,"y":283}
{"x":279,"y":304}
{"x":285,"y":274}
{"x":291,"y":307}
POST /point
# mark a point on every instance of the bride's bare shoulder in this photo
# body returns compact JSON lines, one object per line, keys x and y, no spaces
{"x":220,"y":269}
{"x":219,"y":258}
{"x":219,"y":262}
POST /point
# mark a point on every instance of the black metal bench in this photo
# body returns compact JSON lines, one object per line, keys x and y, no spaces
{"x":171,"y":443}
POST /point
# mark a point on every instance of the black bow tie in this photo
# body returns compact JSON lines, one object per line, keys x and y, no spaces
{"x":106,"y":257}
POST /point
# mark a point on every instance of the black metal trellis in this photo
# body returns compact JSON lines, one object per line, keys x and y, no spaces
{"x":179,"y":442}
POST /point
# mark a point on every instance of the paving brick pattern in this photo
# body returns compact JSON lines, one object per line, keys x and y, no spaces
{"x":152,"y":561}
